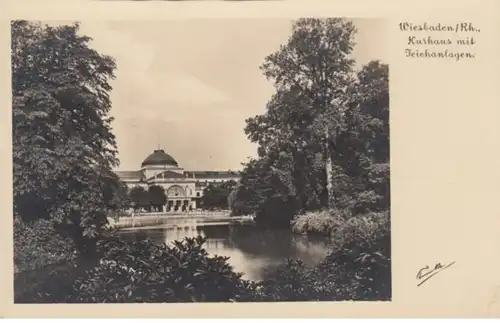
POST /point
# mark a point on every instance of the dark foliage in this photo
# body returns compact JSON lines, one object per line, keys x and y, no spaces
{"x":37,"y":245}
{"x":216,"y":195}
{"x":152,"y":199}
{"x":157,"y":197}
{"x":323,"y":141}
{"x":137,"y":271}
{"x":139,"y":197}
{"x":63,"y":147}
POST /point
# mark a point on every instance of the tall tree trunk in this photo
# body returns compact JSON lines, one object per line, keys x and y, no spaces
{"x":298,"y":178}
{"x":329,"y":173}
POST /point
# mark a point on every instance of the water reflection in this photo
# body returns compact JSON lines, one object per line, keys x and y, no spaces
{"x":252,"y":251}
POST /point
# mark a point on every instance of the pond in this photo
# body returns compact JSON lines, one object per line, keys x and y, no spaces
{"x":252,"y":251}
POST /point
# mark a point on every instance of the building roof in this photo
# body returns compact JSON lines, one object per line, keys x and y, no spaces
{"x":159,"y":157}
{"x":168,"y":174}
{"x":212,"y":174}
{"x":130,"y":175}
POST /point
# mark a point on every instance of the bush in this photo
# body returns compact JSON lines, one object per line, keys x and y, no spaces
{"x":50,"y":284}
{"x":359,"y":266}
{"x":142,"y":271}
{"x":356,"y":230}
{"x":363,"y":273}
{"x":316,"y":223}
{"x":37,"y":245}
{"x":342,"y":227}
{"x":292,"y":281}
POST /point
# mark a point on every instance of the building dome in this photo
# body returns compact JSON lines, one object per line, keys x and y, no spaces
{"x":160,"y":158}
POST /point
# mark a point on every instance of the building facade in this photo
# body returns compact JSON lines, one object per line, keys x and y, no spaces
{"x":183,"y":188}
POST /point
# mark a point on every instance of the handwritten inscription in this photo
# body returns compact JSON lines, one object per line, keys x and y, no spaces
{"x":427,"y":272}
{"x":445,"y":41}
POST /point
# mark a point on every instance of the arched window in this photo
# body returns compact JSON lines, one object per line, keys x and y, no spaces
{"x":175,"y":190}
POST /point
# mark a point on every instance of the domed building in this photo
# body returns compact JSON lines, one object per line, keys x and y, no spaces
{"x":183,"y":188}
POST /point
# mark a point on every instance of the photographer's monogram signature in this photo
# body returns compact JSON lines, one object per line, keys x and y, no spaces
{"x":427,"y":272}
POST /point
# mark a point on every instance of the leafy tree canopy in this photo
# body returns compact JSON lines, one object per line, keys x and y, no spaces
{"x":216,"y":195}
{"x":63,"y":146}
{"x":157,"y":196}
{"x":323,"y":140}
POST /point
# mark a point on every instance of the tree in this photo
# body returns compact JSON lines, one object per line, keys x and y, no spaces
{"x":316,"y":63}
{"x":63,"y":147}
{"x":135,"y":195}
{"x":157,"y":197}
{"x":290,"y":157}
{"x":311,"y":74}
{"x":232,"y":199}
{"x":139,"y":197}
{"x":115,"y":192}
{"x":215,"y":196}
{"x":366,"y":140}
{"x":323,"y":140}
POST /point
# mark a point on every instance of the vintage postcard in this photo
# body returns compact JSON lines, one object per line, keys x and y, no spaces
{"x":251,"y":159}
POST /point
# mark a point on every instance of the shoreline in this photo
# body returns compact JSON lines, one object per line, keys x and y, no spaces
{"x":162,"y":220}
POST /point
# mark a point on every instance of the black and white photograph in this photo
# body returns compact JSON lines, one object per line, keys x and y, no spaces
{"x":201,"y":160}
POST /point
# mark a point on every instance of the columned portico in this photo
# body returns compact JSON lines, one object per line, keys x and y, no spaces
{"x":180,"y":205}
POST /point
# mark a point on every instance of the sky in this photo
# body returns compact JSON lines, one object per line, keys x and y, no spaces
{"x":187,"y":86}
